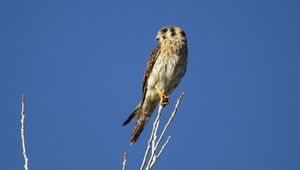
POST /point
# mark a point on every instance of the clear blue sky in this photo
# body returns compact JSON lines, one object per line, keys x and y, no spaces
{"x":81,"y":64}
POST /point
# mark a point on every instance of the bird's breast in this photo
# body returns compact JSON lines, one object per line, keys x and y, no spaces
{"x":169,"y":67}
{"x":163,"y":71}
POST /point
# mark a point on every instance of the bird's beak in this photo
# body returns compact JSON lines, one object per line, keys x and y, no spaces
{"x":157,"y":38}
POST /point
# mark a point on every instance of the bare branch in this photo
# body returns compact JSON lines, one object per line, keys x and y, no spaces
{"x":154,"y":131}
{"x":23,"y":133}
{"x":151,"y":137}
{"x":169,"y":121}
{"x":162,"y":148}
{"x":153,"y":143}
{"x":159,"y":153}
{"x":124,"y":161}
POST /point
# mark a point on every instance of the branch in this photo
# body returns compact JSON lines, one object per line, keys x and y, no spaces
{"x":154,"y":131}
{"x":23,"y":133}
{"x":124,"y":161}
{"x":169,"y":121}
{"x":153,"y":137}
{"x":162,"y":148}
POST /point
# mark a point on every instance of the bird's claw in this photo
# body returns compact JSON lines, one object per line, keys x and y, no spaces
{"x":164,"y":99}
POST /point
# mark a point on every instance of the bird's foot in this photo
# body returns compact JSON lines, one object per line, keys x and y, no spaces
{"x":164,"y":99}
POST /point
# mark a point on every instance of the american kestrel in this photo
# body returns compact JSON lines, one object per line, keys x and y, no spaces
{"x":165,"y":69}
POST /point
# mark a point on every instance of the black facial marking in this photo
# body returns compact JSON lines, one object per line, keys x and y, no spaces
{"x":173,"y":31}
{"x":164,"y":30}
{"x":183,"y":33}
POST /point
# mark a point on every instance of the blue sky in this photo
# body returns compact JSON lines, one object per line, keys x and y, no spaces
{"x":80,"y":65}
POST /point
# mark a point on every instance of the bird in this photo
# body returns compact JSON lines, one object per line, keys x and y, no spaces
{"x":165,"y":69}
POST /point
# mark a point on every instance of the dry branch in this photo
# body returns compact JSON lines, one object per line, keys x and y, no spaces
{"x":153,"y":143}
{"x":124,"y":161}
{"x":23,"y":133}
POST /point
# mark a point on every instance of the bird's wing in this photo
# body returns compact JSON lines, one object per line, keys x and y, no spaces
{"x":150,"y":64}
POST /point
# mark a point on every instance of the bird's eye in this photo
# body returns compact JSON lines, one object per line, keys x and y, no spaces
{"x":173,"y":32}
{"x":164,"y":30}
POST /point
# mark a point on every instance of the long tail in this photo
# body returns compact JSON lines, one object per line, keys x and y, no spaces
{"x":139,"y":127}
{"x":140,"y":123}
{"x":133,"y":115}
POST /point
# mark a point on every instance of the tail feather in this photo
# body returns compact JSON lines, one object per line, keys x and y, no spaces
{"x":133,"y":115}
{"x":139,"y":127}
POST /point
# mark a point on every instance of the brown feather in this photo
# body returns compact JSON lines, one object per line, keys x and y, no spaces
{"x":142,"y":121}
{"x":151,"y":61}
{"x":133,"y":115}
{"x":139,"y":127}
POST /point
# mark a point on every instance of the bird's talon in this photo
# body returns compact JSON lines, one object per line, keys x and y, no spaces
{"x":165,"y":100}
{"x":163,"y":104}
{"x":163,"y":97}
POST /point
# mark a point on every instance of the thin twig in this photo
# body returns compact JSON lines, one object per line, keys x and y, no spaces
{"x":155,"y":128}
{"x":153,"y":138}
{"x":124,"y":161}
{"x":159,"y":153}
{"x":162,"y":148}
{"x":169,"y":121}
{"x":23,"y":133}
{"x":150,"y":139}
{"x":146,"y":153}
{"x":153,"y":157}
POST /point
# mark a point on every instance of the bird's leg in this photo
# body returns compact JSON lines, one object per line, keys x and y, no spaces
{"x":164,"y":98}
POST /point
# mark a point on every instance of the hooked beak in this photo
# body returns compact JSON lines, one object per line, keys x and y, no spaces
{"x":157,"y":38}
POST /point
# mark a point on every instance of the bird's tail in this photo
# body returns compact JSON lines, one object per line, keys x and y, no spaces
{"x":139,"y":127}
{"x":133,"y":115}
{"x":140,"y":123}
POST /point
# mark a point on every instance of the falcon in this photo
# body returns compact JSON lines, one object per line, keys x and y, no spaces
{"x":165,"y":69}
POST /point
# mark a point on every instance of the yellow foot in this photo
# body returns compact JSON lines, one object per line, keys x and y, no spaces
{"x":163,"y":97}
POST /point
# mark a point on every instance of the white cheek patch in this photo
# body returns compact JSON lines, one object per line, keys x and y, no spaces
{"x":168,"y":34}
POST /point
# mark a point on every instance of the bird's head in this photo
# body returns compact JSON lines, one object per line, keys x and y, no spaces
{"x":170,"y":32}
